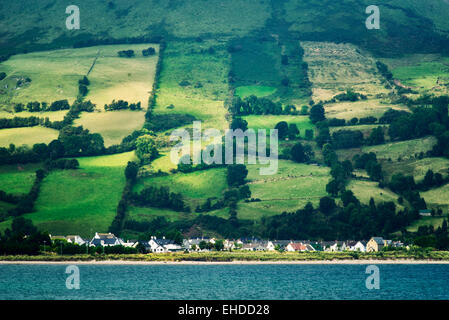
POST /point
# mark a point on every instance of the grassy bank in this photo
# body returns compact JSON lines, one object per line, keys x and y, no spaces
{"x":243,"y":256}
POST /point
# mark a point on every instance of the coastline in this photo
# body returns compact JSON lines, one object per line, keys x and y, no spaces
{"x":242,"y":262}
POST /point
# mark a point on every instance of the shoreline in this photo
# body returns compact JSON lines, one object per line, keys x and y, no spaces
{"x":306,"y":262}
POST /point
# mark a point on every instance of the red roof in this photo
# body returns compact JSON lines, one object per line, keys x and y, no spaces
{"x":298,"y":246}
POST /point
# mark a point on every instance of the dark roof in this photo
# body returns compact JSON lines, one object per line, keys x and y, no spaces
{"x":163,"y":242}
{"x":379,"y":240}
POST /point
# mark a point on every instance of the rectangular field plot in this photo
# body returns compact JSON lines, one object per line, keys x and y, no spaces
{"x":54,"y":75}
{"x":17,"y":178}
{"x":417,"y":168}
{"x":402,"y":150}
{"x":359,"y":109}
{"x":194,"y":81}
{"x":365,"y":190}
{"x":112,"y":125}
{"x":196,"y":187}
{"x":28,"y":136}
{"x":334,"y":68}
{"x":82,"y":201}
{"x":269,"y":122}
{"x":289,"y":190}
{"x":424,"y":73}
{"x":129,"y":79}
{"x":51,"y":115}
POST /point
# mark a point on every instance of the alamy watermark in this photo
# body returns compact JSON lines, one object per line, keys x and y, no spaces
{"x":373,"y":280}
{"x":233,"y":140}
{"x":73,"y":20}
{"x":73,"y":280}
{"x":373,"y":21}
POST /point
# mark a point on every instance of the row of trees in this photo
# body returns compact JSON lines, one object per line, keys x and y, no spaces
{"x":42,"y":107}
{"x":122,"y":105}
{"x":160,"y":197}
{"x":18,"y":122}
{"x":254,"y":105}
{"x":83,"y":85}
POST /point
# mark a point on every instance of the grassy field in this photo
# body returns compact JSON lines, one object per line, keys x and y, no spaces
{"x":360,"y":109}
{"x":54,"y":75}
{"x":258,"y":91}
{"x":364,"y":128}
{"x":422,"y":72}
{"x":194,"y":81}
{"x":52,"y":116}
{"x":196,"y":187}
{"x":290,"y":189}
{"x":334,"y":68}
{"x":426,"y":221}
{"x":394,"y":150}
{"x":365,"y":190}
{"x":28,"y":136}
{"x":17,"y":178}
{"x":417,"y":167}
{"x":112,"y":125}
{"x":437,"y":197}
{"x":269,"y":122}
{"x":129,"y":79}
{"x":82,"y":201}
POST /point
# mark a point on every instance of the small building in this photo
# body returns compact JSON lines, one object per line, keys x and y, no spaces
{"x":334,"y":246}
{"x":76,"y":240}
{"x":360,"y":246}
{"x":375,"y":244}
{"x":425,"y":213}
{"x":161,"y":245}
{"x":106,"y":240}
{"x":254,"y":246}
{"x":270,"y":246}
{"x":295,"y":247}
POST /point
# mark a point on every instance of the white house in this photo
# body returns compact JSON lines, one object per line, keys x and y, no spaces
{"x":359,"y":246}
{"x":295,"y":246}
{"x":76,"y":240}
{"x":162,"y":245}
{"x":271,"y":246}
{"x":106,"y":240}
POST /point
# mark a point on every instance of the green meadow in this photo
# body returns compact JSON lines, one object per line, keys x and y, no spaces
{"x":51,"y":115}
{"x":288,"y":190}
{"x":194,"y":81}
{"x":437,"y":197}
{"x":27,"y":136}
{"x":360,"y":109}
{"x":269,"y":122}
{"x":18,"y":178}
{"x":365,"y":190}
{"x":196,"y":187}
{"x":54,"y":75}
{"x":402,"y":150}
{"x":129,"y":79}
{"x":436,"y":222}
{"x":82,"y":201}
{"x":422,"y":72}
{"x":258,"y":91}
{"x":112,"y":125}
{"x":417,"y":167}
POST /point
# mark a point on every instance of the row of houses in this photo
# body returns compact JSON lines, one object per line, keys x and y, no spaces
{"x":165,"y":245}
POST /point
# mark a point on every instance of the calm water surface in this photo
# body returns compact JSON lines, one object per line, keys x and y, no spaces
{"x":239,"y":282}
